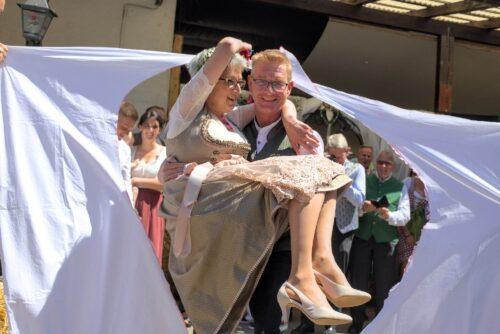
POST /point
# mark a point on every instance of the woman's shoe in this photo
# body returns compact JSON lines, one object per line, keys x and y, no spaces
{"x":341,"y":295}
{"x":320,"y":315}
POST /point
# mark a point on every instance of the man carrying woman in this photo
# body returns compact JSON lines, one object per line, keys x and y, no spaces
{"x":220,"y":248}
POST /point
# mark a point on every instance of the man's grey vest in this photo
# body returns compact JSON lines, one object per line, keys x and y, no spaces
{"x":277,"y":145}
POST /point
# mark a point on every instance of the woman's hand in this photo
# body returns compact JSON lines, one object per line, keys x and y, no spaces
{"x":302,"y":138}
{"x":3,"y":52}
{"x":235,"y":45}
{"x":224,"y":51}
{"x":299,"y":133}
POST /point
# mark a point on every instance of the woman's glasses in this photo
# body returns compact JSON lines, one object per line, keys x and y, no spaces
{"x":230,"y":83}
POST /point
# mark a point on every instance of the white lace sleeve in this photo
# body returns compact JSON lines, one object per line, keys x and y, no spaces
{"x":242,"y":115}
{"x":189,"y":103}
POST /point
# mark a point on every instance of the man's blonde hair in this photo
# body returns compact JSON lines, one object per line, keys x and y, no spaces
{"x":273,"y":56}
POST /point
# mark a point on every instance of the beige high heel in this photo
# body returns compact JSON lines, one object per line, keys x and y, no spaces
{"x":341,"y":295}
{"x":320,"y":315}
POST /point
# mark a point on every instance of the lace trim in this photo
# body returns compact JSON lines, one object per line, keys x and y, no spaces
{"x":289,"y":177}
{"x":237,"y":148}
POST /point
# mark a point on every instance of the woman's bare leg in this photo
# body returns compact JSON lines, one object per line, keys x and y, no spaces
{"x":323,"y":259}
{"x":303,"y":219}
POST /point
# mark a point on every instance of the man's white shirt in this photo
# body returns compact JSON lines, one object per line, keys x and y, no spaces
{"x":124,"y":155}
{"x":263,"y":132}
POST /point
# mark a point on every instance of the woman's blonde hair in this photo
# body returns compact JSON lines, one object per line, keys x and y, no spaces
{"x":273,"y":56}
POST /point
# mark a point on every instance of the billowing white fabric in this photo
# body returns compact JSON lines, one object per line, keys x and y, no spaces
{"x":75,"y":256}
{"x":453,"y":282}
{"x":76,"y":259}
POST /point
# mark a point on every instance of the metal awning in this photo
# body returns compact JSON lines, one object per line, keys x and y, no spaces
{"x":472,"y":20}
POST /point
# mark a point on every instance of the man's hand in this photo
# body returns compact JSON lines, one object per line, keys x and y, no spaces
{"x":301,"y":136}
{"x":383,"y":213}
{"x":3,"y":52}
{"x":188,"y":169}
{"x":170,"y":169}
{"x":368,"y":207}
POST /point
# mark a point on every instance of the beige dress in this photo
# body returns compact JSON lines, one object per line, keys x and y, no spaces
{"x":238,"y":215}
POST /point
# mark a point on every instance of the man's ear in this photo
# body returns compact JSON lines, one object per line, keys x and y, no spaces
{"x":249,"y":81}
{"x":290,"y":87}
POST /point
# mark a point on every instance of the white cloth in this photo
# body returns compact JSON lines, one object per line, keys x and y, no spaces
{"x":402,"y":215}
{"x":75,"y":257}
{"x":453,"y":281}
{"x":150,"y":169}
{"x":124,"y":156}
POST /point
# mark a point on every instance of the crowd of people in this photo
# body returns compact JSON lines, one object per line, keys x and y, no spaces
{"x":260,"y":219}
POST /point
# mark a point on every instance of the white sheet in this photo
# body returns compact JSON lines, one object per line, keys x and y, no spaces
{"x":453,"y":282}
{"x":75,"y":257}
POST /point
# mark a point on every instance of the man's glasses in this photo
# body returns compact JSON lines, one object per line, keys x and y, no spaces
{"x":383,"y":162}
{"x":277,"y":86}
{"x":230,"y":83}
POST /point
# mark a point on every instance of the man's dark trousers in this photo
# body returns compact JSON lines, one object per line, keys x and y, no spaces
{"x":341,"y":246}
{"x":364,"y":253}
{"x":263,"y":304}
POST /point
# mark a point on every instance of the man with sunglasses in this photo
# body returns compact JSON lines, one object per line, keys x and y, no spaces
{"x":386,"y":207}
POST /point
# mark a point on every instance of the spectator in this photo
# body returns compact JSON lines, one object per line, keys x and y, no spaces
{"x":365,"y":157}
{"x":146,"y":160}
{"x":419,"y":208}
{"x":386,"y":207}
{"x":127,"y":116}
{"x":136,"y":134}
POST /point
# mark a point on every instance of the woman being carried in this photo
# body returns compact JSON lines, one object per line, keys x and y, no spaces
{"x":225,"y":219}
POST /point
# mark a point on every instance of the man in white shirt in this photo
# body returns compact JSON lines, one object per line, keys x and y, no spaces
{"x":127,"y":117}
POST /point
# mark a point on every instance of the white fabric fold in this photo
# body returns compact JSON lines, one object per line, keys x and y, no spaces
{"x":182,"y":237}
{"x":76,"y":259}
{"x":453,"y":281}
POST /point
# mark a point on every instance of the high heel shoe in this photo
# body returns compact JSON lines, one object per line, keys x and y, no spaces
{"x":320,"y":315}
{"x":341,"y":295}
